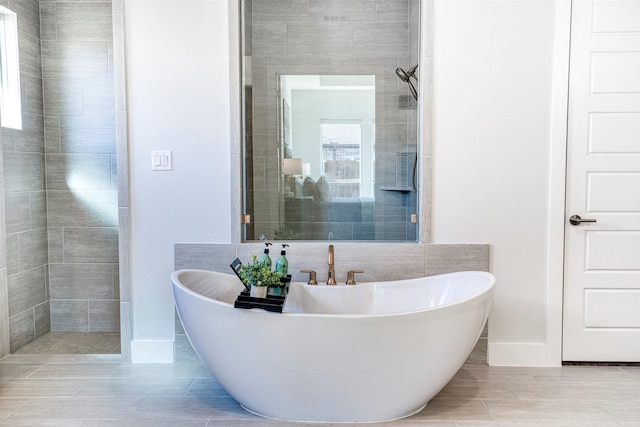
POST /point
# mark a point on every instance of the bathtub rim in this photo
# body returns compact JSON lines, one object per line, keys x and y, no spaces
{"x":488,"y":289}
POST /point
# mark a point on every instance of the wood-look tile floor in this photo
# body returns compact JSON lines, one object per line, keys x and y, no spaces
{"x":98,"y":391}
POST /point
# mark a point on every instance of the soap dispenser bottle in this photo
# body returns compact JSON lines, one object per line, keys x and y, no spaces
{"x":265,"y":258}
{"x":282,"y":265}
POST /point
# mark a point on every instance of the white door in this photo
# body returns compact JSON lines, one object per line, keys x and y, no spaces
{"x":602,"y":259}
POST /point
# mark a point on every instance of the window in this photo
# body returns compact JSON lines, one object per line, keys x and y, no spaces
{"x":341,"y":144}
{"x":10,"y":104}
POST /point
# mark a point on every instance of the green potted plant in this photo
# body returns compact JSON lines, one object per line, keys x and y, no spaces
{"x":259,"y":276}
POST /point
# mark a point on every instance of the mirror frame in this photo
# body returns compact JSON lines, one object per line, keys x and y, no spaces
{"x":425,"y":127}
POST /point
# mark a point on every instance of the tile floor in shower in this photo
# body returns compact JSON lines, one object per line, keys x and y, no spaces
{"x":62,"y":342}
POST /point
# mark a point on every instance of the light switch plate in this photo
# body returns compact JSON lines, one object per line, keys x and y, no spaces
{"x":161,"y":160}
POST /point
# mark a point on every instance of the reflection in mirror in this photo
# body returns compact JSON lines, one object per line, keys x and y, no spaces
{"x":328,"y":130}
{"x":330,"y":120}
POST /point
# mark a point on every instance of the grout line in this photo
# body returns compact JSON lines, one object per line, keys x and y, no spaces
{"x":41,"y":367}
{"x":17,"y":409}
{"x":86,"y":383}
{"x":488,"y":410}
{"x":193,"y":380}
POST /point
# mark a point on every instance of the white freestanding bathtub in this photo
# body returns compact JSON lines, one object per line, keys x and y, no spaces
{"x":363,"y":353}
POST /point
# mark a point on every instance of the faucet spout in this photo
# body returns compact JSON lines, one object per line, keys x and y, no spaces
{"x":331,"y":280}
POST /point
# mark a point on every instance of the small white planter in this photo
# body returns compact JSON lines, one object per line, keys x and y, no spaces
{"x":258,"y":291}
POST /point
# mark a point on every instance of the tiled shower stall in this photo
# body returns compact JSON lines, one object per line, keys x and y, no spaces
{"x":367,"y":37}
{"x":59,"y":249}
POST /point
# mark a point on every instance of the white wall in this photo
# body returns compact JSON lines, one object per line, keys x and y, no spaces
{"x":494,"y":76}
{"x":178,"y":99}
{"x":494,"y":65}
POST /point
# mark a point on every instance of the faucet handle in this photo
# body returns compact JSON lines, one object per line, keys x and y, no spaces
{"x":351,"y":276}
{"x":312,"y":277}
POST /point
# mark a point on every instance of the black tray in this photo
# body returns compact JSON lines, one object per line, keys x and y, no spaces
{"x":270,"y":303}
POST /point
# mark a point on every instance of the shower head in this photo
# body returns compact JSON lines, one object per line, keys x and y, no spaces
{"x":405,"y":76}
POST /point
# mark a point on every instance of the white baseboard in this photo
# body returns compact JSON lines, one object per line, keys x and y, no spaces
{"x":152,"y":351}
{"x":523,"y":354}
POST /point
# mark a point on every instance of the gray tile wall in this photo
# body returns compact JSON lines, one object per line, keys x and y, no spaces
{"x":392,"y":261}
{"x":334,"y":37}
{"x":24,"y":273}
{"x":4,"y":291}
{"x":82,"y":193}
{"x":59,"y":216}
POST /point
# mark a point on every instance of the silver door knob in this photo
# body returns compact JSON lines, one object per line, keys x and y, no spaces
{"x":576,"y":220}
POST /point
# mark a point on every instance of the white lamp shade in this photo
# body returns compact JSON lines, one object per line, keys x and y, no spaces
{"x":292,"y":166}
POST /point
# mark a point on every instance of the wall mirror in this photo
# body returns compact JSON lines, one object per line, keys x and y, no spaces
{"x":330,"y":120}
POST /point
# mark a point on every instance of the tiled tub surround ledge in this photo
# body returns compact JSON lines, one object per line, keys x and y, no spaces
{"x":380,"y":261}
{"x":99,"y":391}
